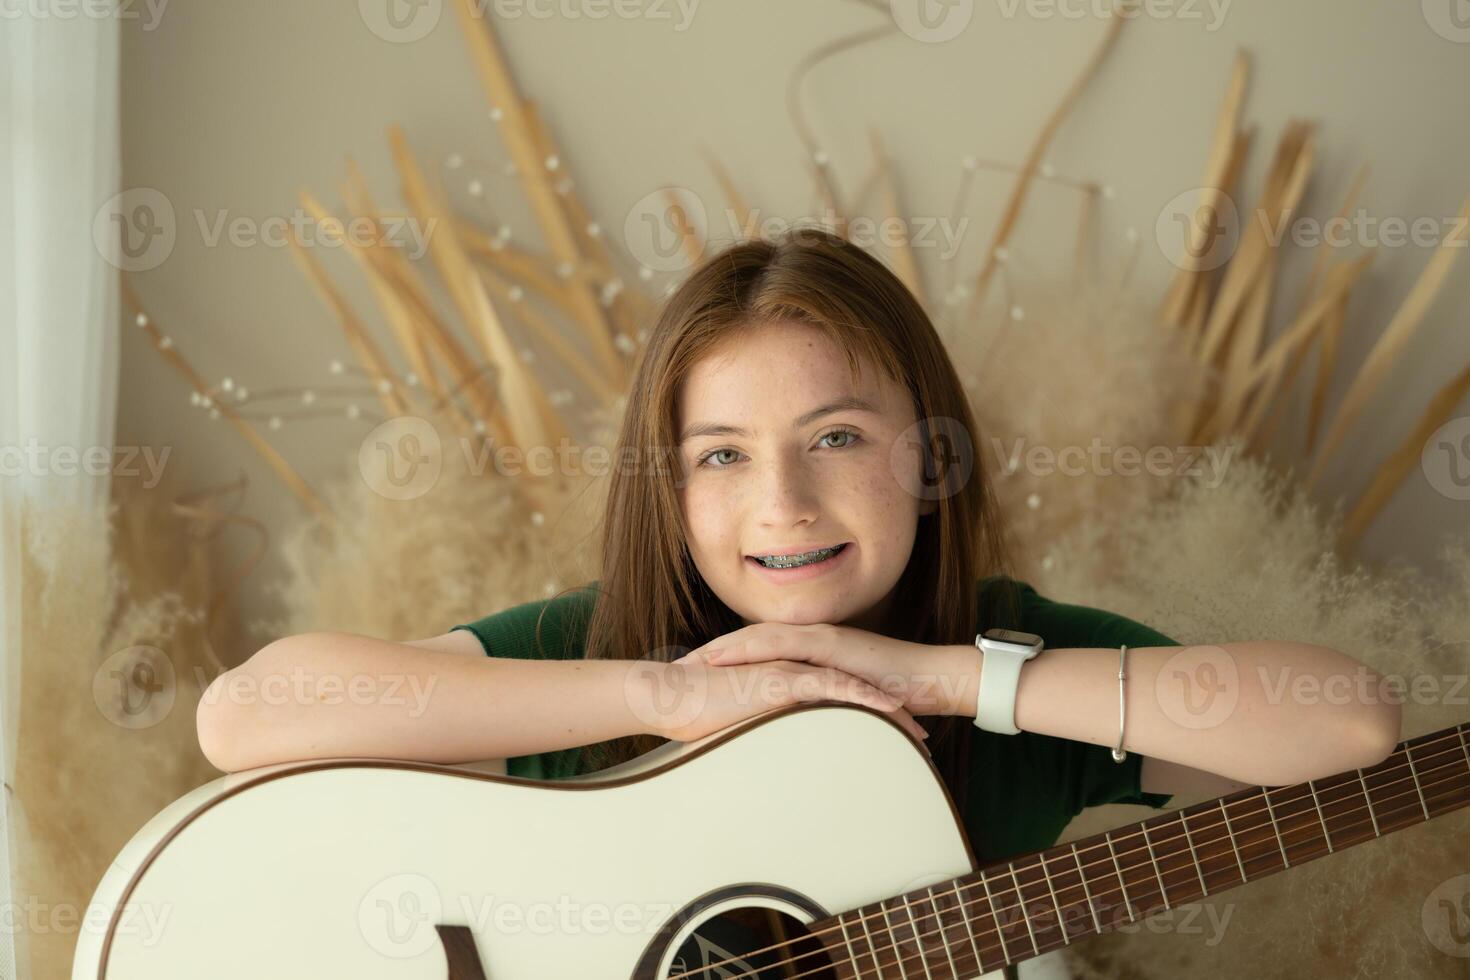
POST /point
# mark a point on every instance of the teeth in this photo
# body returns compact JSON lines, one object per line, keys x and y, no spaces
{"x":794,"y":561}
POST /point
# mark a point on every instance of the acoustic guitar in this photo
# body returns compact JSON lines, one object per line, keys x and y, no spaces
{"x":812,"y":841}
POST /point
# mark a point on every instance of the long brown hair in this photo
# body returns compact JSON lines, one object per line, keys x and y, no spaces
{"x":653,"y":602}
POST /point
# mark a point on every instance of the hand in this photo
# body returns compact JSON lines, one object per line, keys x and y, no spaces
{"x":907,"y":671}
{"x":686,"y":700}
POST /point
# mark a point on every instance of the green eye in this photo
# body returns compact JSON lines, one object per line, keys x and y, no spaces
{"x":716,"y":453}
{"x":842,"y":432}
{"x":704,"y":460}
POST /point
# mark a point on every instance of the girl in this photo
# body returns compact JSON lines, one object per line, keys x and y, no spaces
{"x":795,"y":405}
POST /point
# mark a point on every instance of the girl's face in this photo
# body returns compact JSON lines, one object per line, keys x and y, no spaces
{"x":790,"y":481}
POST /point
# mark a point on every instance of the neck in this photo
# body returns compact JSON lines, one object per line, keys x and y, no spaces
{"x":1010,"y":912}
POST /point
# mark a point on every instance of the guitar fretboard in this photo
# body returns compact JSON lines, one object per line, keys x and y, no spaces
{"x":1010,"y":912}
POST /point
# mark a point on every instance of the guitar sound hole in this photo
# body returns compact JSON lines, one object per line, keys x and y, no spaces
{"x":730,"y":945}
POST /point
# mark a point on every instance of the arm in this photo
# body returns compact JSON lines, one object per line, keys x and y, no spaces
{"x":328,"y":695}
{"x":1185,"y":784}
{"x":1257,"y":713}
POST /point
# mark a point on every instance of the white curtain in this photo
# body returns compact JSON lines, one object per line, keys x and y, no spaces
{"x":59,"y":164}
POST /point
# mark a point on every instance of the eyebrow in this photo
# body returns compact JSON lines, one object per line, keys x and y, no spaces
{"x":716,"y":429}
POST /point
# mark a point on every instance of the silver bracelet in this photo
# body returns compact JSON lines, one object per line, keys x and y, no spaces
{"x":1118,"y":754}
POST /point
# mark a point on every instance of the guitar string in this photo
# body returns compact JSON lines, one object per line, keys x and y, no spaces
{"x":887,"y":928}
{"x":1304,"y":819}
{"x":1040,"y":946}
{"x":1454,"y":750}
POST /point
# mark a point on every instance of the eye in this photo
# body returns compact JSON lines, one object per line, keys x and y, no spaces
{"x":704,"y":460}
{"x":855,"y":438}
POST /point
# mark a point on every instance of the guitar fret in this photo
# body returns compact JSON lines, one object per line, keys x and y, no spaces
{"x":1337,"y":804}
{"x":1369,"y":797}
{"x":1275,"y":831}
{"x":1061,"y":922}
{"x":1127,"y":902}
{"x":1148,"y":846}
{"x":1230,"y":833}
{"x":897,"y":952}
{"x":965,"y":914}
{"x":1417,"y":788}
{"x":1194,"y":857}
{"x":1326,"y":835}
{"x":914,"y":927}
{"x":1091,"y":906}
{"x":995,"y":917}
{"x":1021,"y":904}
{"x":847,"y":941}
{"x":954,"y":971}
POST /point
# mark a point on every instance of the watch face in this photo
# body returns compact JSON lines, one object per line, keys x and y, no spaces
{"x":1012,"y":636}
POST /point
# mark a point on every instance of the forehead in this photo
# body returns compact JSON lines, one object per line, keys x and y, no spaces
{"x":775,"y":372}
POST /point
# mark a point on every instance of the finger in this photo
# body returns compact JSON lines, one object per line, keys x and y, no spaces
{"x":743,"y":654}
{"x":811,"y":683}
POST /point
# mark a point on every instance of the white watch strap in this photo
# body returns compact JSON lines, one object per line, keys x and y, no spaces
{"x":1000,"y":675}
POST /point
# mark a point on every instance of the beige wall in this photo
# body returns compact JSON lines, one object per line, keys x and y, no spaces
{"x":236,"y":105}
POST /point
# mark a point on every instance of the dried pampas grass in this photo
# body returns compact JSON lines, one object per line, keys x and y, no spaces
{"x":469,"y":545}
{"x":1254,"y":558}
{"x":112,"y":662}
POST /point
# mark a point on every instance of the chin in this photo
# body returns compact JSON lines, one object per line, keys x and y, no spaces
{"x":804,"y":612}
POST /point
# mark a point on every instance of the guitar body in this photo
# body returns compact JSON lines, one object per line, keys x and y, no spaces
{"x":380,"y":869}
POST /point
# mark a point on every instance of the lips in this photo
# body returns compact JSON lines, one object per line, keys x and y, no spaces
{"x":794,"y":551}
{"x":805,"y":571}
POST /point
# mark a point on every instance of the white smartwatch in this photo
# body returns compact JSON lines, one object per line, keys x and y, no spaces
{"x":1004,"y":651}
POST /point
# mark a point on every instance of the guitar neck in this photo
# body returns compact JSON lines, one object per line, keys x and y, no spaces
{"x":1005,"y":913}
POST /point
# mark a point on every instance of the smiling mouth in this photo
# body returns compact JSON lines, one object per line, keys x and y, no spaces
{"x":800,"y":559}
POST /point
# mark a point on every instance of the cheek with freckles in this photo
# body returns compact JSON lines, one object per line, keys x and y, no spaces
{"x":887,"y":515}
{"x":712,"y":523}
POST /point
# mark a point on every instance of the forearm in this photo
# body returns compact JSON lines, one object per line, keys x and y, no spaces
{"x":326,"y":695}
{"x":1261,"y":712}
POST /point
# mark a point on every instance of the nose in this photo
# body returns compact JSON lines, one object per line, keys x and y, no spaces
{"x":787,"y":492}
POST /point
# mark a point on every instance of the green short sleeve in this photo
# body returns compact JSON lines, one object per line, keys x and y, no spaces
{"x":513,"y":632}
{"x":1092,"y":776}
{"x":1026,"y":788}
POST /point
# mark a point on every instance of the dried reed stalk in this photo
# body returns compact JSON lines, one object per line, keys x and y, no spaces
{"x":904,"y":265}
{"x":390,"y":273}
{"x":1386,"y":350}
{"x":273,"y":459}
{"x":1299,"y":333}
{"x":516,"y":130}
{"x":1224,"y":146}
{"x":622,"y":308}
{"x":732,"y":194}
{"x":1406,"y":457}
{"x":394,"y":398}
{"x":530,"y":420}
{"x":1012,"y":211}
